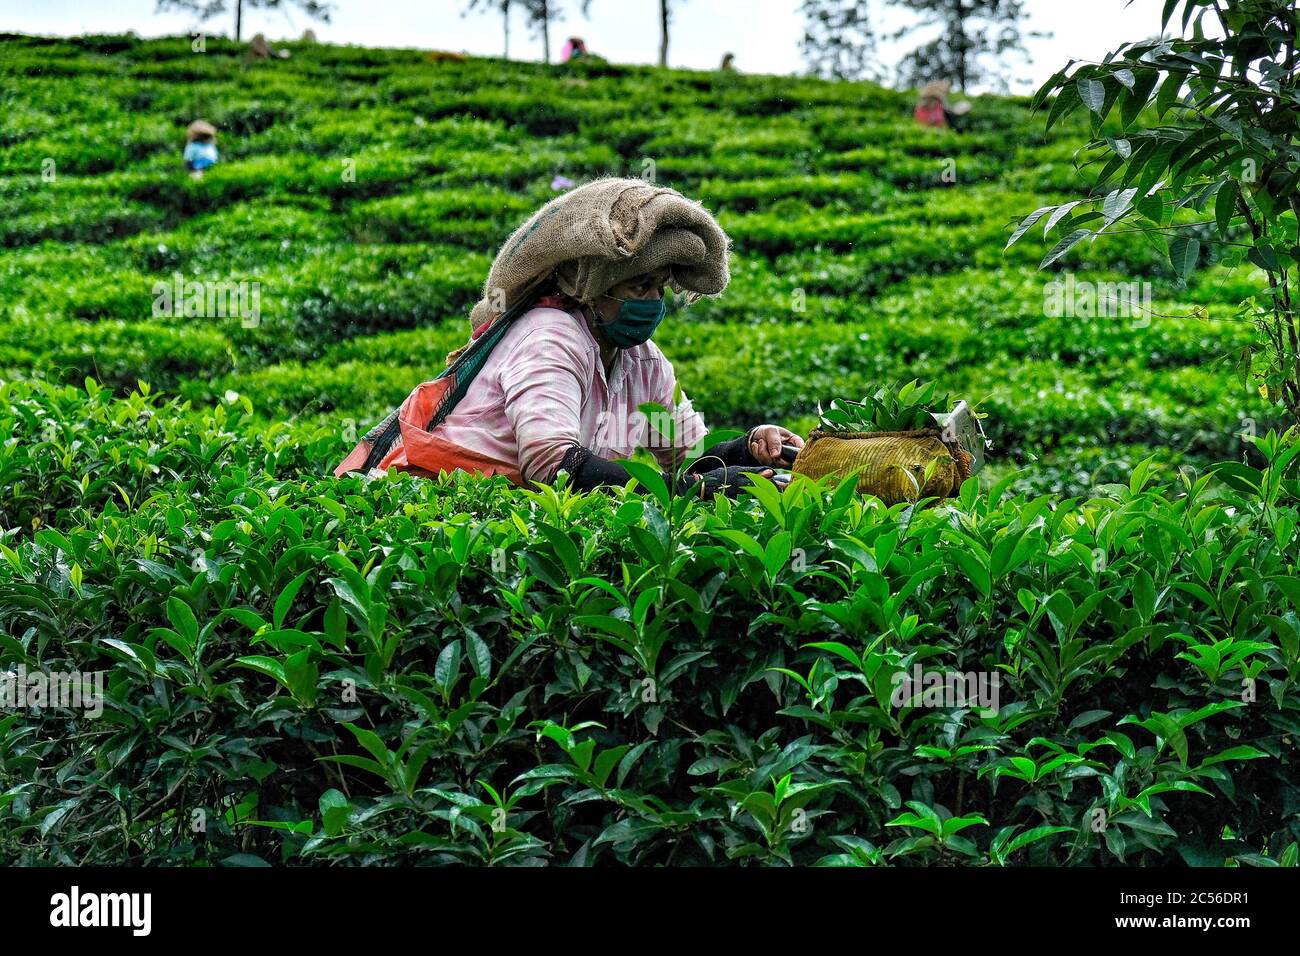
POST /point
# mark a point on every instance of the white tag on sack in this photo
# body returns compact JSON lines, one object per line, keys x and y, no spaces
{"x":961,"y":427}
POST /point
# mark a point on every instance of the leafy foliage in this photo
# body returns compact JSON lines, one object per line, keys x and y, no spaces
{"x":1230,"y":155}
{"x":306,"y":670}
{"x":888,"y":409}
{"x":311,"y":671}
{"x":855,"y":262}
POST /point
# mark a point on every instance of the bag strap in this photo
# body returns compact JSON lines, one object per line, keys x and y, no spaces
{"x":462,"y":371}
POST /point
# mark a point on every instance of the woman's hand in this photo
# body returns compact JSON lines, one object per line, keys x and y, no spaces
{"x":765,"y":443}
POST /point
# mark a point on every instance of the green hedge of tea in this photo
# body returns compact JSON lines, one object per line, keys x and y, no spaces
{"x":316,"y":671}
{"x":309,"y":670}
{"x":367,"y":190}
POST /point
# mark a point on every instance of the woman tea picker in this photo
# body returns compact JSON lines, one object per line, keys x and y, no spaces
{"x":561,"y":357}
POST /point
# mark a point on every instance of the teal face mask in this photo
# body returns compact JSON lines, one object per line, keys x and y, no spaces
{"x":635,"y":323}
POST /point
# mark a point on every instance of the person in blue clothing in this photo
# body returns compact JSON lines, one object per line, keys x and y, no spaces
{"x":200,"y":147}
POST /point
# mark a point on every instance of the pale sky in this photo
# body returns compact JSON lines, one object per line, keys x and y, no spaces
{"x":763,"y":34}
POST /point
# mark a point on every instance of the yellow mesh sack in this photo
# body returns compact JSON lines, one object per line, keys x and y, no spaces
{"x":889,"y":465}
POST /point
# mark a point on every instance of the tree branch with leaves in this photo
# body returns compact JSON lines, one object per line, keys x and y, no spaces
{"x":1199,"y":122}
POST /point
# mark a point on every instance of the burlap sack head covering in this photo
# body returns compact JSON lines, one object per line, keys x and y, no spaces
{"x":200,"y":128}
{"x":938,"y":90}
{"x":599,"y":234}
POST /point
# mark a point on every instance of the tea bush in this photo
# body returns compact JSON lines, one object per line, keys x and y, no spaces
{"x":455,"y":671}
{"x":315,"y":671}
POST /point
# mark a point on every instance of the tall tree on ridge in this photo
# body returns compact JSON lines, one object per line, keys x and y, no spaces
{"x":838,"y":41}
{"x":972,"y":32}
{"x":207,"y":9}
{"x":504,"y":7}
{"x":665,"y":14}
{"x":540,"y":13}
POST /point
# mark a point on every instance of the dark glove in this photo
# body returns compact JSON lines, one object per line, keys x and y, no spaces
{"x":588,"y":471}
{"x":734,"y":452}
{"x":727,"y":480}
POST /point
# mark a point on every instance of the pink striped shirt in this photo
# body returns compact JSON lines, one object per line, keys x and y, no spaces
{"x":544,"y":389}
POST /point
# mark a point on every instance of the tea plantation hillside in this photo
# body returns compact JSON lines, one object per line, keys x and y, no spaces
{"x":306,"y":670}
{"x":366,"y":191}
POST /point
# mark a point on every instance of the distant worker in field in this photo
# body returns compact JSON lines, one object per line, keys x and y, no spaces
{"x":561,"y":359}
{"x":728,"y":63}
{"x":574,"y":49}
{"x":259,"y":49}
{"x":200,"y":148}
{"x":932,"y":107}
